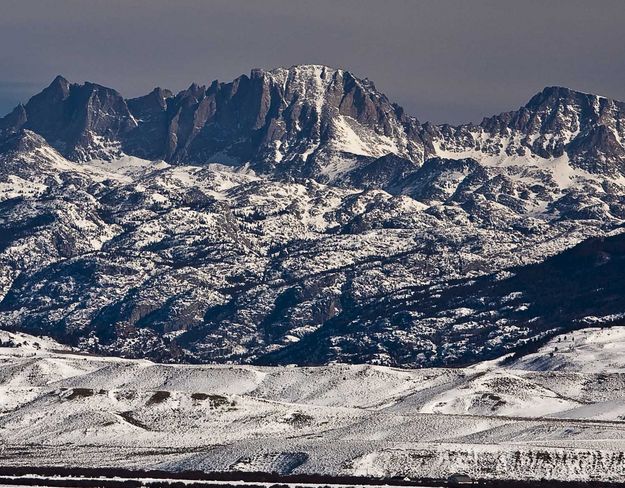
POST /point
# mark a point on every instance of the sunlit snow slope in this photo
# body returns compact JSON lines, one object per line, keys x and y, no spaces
{"x":59,"y":407}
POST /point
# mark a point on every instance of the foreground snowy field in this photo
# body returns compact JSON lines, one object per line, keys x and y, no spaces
{"x":557,"y":414}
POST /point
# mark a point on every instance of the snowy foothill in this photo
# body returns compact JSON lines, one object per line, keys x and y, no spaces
{"x":558,"y":412}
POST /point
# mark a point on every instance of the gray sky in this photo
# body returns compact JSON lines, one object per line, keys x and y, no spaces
{"x":443,"y":60}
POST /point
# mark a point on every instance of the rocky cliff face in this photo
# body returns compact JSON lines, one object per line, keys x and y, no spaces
{"x":313,"y":121}
{"x":310,"y":121}
{"x":558,"y":122}
{"x":82,"y":121}
{"x":360,"y":234}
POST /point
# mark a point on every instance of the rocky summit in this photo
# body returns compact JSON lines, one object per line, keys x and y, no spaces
{"x":299,"y":216}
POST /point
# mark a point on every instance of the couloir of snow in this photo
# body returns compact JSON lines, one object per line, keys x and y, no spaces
{"x":552,"y":414}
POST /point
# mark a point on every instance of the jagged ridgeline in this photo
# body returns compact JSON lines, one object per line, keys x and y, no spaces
{"x":298,"y":216}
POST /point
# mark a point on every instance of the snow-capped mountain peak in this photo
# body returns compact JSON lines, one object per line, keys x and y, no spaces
{"x":296,"y":214}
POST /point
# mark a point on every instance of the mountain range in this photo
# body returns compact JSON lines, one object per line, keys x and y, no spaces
{"x":296,"y":215}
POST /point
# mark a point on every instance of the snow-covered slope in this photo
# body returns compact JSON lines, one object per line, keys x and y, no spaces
{"x":296,"y":215}
{"x":187,"y":263}
{"x":586,"y":350}
{"x":63,"y":408}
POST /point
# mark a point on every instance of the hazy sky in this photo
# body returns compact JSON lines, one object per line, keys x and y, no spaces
{"x":443,"y":60}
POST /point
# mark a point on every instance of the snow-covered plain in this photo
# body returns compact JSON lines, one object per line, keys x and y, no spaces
{"x":553,"y":414}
